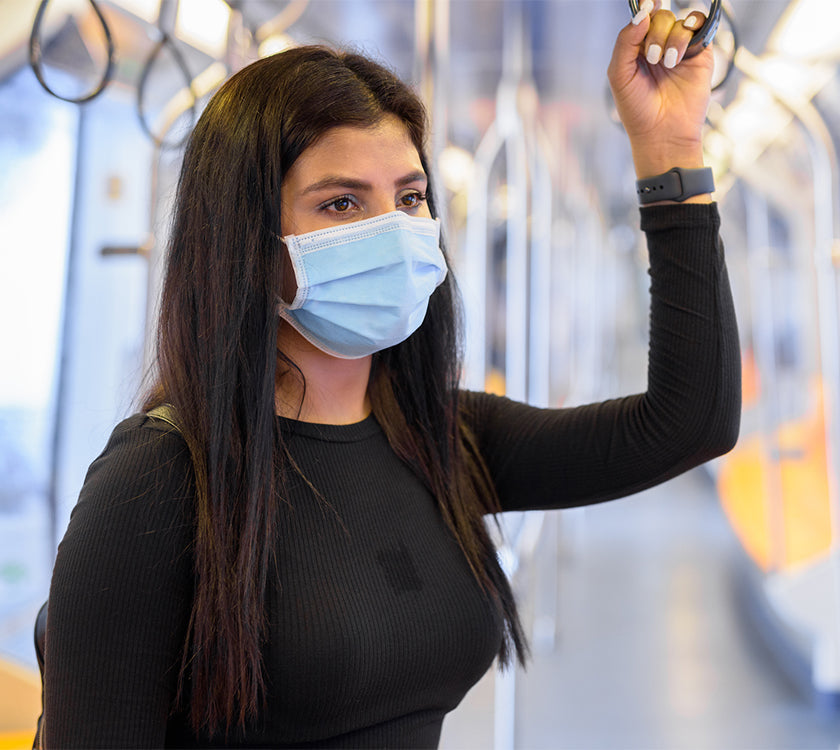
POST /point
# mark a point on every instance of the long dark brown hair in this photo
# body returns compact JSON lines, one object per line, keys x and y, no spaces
{"x":217,"y":361}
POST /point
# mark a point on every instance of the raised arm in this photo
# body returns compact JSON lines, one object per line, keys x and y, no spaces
{"x":690,"y":411}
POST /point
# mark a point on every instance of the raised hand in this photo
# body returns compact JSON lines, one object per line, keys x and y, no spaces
{"x":661,"y":95}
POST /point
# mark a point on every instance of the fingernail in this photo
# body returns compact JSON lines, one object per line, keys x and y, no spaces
{"x":644,"y":11}
{"x":670,"y":57}
{"x":654,"y":53}
{"x":691,"y":22}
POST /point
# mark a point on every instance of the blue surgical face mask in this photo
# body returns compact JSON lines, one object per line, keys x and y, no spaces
{"x":364,"y":286}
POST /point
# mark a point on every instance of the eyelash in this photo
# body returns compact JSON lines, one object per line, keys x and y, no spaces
{"x":421,"y":199}
{"x":331,"y":204}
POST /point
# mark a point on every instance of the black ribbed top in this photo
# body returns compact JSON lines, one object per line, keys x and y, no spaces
{"x":377,"y":627}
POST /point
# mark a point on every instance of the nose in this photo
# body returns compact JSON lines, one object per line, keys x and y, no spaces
{"x":381,"y":202}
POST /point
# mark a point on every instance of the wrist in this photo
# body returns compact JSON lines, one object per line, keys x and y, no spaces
{"x":650,"y":161}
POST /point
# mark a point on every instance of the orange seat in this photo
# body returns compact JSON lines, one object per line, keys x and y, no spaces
{"x":780,"y":510}
{"x":20,"y":705}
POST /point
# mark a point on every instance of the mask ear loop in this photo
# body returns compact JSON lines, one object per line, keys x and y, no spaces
{"x":704,"y":36}
{"x":301,"y":280}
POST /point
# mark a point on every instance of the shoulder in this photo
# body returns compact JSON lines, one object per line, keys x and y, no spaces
{"x":141,"y":482}
{"x":132,"y":529}
{"x":142,"y":433}
{"x":141,"y":450}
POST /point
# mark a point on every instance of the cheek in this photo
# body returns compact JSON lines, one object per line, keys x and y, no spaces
{"x":424,"y":211}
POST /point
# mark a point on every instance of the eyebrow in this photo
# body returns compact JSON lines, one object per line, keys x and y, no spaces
{"x":337,"y":181}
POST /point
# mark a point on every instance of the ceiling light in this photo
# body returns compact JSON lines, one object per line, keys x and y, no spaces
{"x":807,"y":29}
{"x":204,"y":25}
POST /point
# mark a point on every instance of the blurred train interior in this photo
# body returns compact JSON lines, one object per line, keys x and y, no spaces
{"x":701,"y":614}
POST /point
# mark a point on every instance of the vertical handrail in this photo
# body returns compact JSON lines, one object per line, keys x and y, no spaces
{"x":474,"y":281}
{"x":762,"y":309}
{"x":539,"y":333}
{"x":511,"y":115}
{"x":431,"y":71}
{"x":515,"y":136}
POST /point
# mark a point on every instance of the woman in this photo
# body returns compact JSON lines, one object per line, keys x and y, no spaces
{"x":303,"y":562}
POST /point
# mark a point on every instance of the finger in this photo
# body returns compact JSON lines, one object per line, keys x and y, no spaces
{"x":679,"y":38}
{"x":645,"y":9}
{"x":661,"y":25}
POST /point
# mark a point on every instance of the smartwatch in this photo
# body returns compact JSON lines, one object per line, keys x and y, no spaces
{"x":676,"y":184}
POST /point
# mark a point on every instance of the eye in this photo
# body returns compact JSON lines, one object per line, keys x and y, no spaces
{"x":411,"y":200}
{"x":340,"y":205}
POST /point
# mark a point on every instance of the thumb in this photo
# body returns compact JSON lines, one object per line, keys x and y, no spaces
{"x":629,"y":43}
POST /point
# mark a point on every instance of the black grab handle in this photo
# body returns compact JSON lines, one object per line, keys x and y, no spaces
{"x":704,"y":35}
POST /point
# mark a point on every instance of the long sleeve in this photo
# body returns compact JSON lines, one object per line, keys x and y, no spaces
{"x":120,"y":595}
{"x":689,"y":414}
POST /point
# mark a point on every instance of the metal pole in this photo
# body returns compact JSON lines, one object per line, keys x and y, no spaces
{"x":65,"y":343}
{"x":761,"y":302}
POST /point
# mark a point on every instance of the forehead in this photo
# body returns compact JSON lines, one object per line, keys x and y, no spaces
{"x":349,"y":149}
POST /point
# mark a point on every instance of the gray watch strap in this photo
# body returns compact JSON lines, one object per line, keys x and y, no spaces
{"x":676,"y":184}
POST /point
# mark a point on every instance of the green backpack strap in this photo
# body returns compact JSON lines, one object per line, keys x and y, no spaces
{"x":165,"y":413}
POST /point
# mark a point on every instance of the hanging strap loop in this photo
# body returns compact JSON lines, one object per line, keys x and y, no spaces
{"x":36,"y":57}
